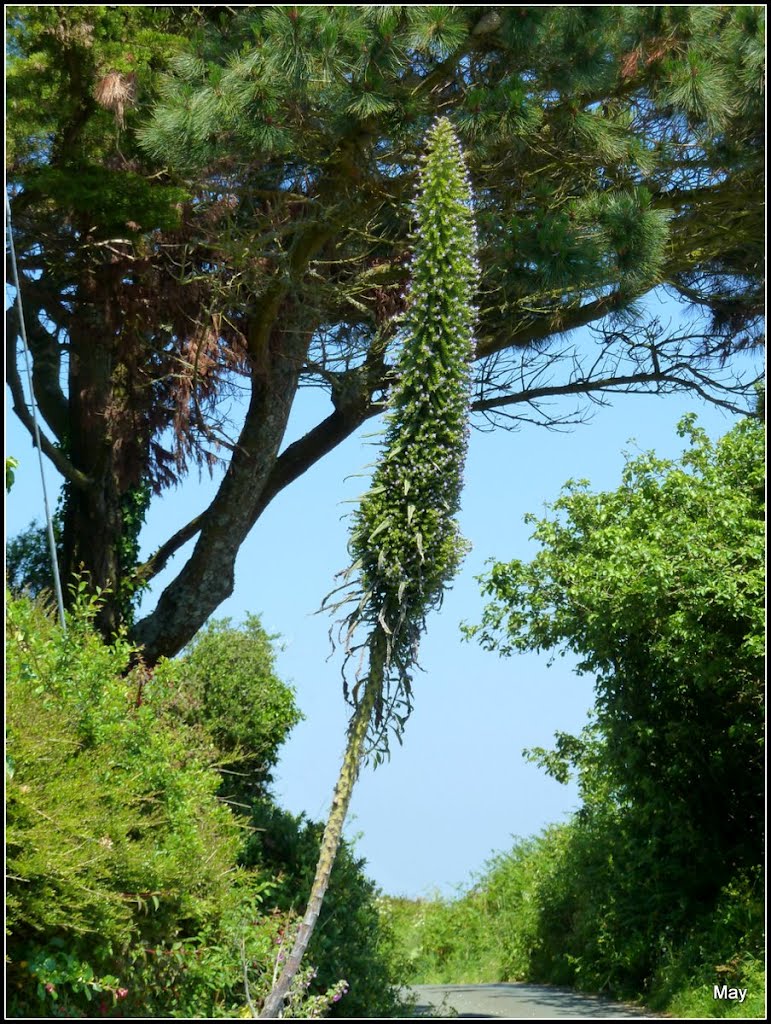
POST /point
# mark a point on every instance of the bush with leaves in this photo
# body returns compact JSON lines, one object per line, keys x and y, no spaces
{"x":125,"y":895}
{"x":229,"y":688}
{"x":446,"y":941}
{"x":573,"y":907}
{"x":659,"y":588}
{"x":586,"y":904}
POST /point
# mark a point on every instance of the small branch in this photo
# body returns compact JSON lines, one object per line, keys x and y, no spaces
{"x":157,"y":562}
{"x":46,"y":362}
{"x":60,"y":461}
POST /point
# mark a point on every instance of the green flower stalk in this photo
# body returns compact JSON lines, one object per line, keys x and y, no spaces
{"x":405,"y":542}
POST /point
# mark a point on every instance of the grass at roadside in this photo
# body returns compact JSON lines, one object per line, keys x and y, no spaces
{"x":510,"y":927}
{"x":428,"y":933}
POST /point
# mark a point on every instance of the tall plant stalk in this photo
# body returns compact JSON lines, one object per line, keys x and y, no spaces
{"x":405,"y":541}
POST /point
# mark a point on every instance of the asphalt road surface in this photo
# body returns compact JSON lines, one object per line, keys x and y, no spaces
{"x":516,"y":1001}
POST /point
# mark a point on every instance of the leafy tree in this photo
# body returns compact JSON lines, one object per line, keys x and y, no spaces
{"x":207,"y":199}
{"x":73,"y":74}
{"x":28,"y":560}
{"x":658,"y":587}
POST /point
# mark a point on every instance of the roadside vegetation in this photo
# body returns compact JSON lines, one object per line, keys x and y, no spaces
{"x":150,"y":872}
{"x":514,"y":924}
{"x":653,"y":891}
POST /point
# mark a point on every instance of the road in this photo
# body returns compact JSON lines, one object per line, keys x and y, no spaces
{"x":515,"y":1001}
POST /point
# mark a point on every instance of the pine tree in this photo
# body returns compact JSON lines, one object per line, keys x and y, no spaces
{"x":211,"y":197}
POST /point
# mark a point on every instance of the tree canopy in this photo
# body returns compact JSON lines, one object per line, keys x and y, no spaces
{"x":215,"y":202}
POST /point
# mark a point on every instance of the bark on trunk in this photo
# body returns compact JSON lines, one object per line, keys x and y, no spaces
{"x":208,"y":577}
{"x":90,"y":548}
{"x":92,"y":527}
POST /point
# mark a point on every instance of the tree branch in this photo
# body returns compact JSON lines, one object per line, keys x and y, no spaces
{"x":277,"y":357}
{"x":298,"y":457}
{"x":46,"y":367}
{"x":56,"y":455}
{"x":641,"y":359}
{"x":156,"y":563}
{"x":294,"y":461}
{"x":637,"y":381}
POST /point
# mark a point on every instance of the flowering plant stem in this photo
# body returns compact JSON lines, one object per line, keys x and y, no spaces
{"x":333,"y":831}
{"x":405,"y":541}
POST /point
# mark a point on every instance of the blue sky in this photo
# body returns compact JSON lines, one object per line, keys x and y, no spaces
{"x":459,"y":789}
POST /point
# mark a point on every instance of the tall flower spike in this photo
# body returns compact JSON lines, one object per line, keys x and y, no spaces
{"x":405,"y":543}
{"x":405,"y":540}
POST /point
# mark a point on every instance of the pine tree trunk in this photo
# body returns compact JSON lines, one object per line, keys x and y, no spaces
{"x":92,"y":532}
{"x":92,"y":520}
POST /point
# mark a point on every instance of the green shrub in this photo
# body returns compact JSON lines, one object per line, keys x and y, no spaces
{"x":117,"y":844}
{"x":445,"y":941}
{"x":724,"y":947}
{"x":229,"y":688}
{"x":583,"y":905}
{"x":124,"y":896}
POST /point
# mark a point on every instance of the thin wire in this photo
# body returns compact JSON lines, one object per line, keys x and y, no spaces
{"x":23,"y":333}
